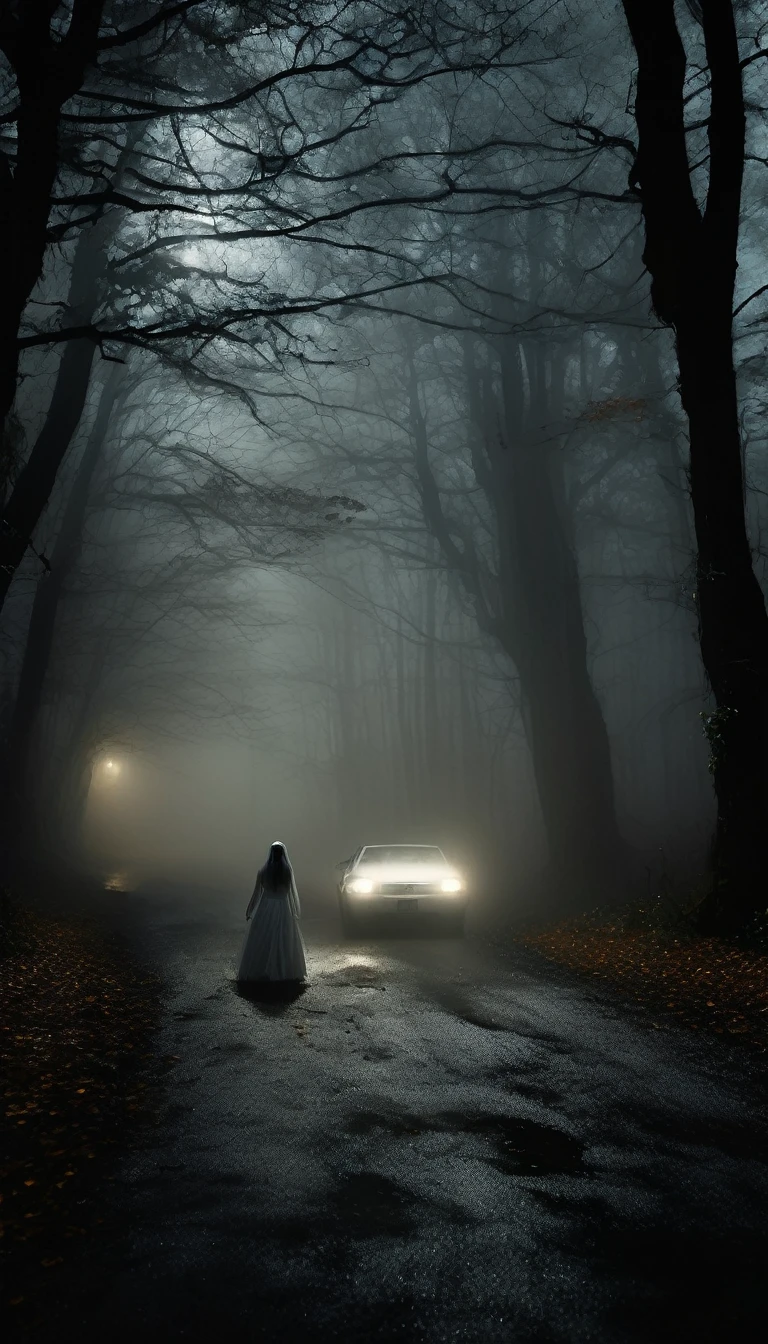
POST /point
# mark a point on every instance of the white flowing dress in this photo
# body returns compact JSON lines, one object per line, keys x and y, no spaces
{"x":273,"y":948}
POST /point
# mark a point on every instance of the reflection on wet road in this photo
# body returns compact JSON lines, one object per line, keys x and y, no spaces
{"x":435,"y":1141}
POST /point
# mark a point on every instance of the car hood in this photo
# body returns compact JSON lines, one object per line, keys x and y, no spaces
{"x":403,"y":872}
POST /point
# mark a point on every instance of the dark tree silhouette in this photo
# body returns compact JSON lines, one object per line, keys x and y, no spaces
{"x":50,"y":60}
{"x":691,"y":253}
{"x":88,"y":288}
{"x":42,"y":620}
{"x":85,"y":76}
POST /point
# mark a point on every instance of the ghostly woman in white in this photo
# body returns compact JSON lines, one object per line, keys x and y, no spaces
{"x":274,"y":948}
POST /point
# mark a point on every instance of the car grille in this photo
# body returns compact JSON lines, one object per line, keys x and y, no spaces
{"x":407,"y":888}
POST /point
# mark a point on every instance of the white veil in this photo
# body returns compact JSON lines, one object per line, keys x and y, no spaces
{"x":293,"y":894}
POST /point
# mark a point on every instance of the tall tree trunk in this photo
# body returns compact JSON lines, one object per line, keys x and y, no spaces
{"x":42,"y":623}
{"x":65,"y":796}
{"x":544,"y":633}
{"x":36,"y":480}
{"x":471,"y":794}
{"x":346,"y":686}
{"x":535,"y":614}
{"x":49,"y":69}
{"x":405,"y":729}
{"x":432,"y":782}
{"x":691,"y":258}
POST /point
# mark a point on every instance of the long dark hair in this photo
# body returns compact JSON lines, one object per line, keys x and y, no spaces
{"x":276,"y":872}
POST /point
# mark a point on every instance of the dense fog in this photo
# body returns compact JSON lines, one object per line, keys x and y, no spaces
{"x":365,"y":511}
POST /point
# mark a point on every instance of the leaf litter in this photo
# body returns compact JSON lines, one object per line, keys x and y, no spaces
{"x":76,"y":1021}
{"x":704,"y":984}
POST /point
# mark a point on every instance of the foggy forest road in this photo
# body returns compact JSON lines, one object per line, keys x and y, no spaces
{"x":437,"y":1141}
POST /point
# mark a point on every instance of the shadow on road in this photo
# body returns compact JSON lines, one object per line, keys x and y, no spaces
{"x":270,"y":995}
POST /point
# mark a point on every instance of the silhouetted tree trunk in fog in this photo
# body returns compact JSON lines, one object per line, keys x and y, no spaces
{"x":476,"y":755}
{"x":35,"y":482}
{"x":406,"y":745}
{"x":537,"y":616}
{"x":542,"y":627}
{"x":468,"y":753}
{"x":42,"y":622}
{"x":37,"y":477}
{"x":64,"y":795}
{"x":342,"y":662}
{"x":691,"y":257}
{"x":428,"y":715}
{"x":49,"y":70}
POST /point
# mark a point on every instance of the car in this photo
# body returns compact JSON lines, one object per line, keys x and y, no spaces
{"x":400,"y":879}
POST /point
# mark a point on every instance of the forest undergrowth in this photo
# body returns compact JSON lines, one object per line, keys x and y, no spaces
{"x":77,"y":1017}
{"x":652,"y":953}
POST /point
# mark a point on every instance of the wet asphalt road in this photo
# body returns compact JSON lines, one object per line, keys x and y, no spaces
{"x":438,"y":1141}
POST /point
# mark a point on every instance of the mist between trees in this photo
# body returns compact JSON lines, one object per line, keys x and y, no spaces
{"x":383,"y":418}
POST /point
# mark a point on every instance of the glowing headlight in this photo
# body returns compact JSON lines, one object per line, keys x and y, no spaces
{"x":450,"y":884}
{"x":361,"y":886}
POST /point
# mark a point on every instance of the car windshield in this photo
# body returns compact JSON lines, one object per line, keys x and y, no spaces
{"x":396,"y":854}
